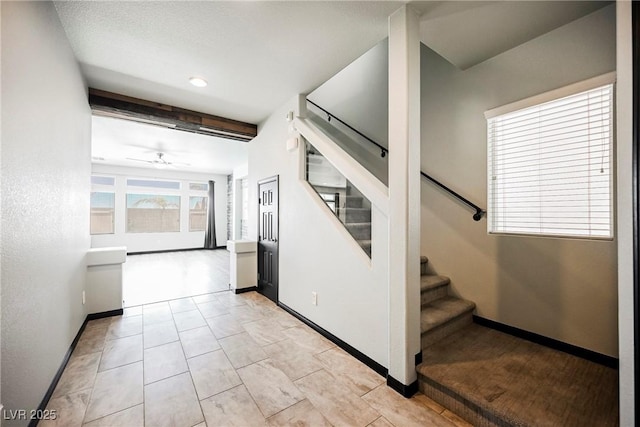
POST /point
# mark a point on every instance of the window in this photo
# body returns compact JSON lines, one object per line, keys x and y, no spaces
{"x":153,"y":213}
{"x":197,"y":213}
{"x":331,"y":199}
{"x":171,"y":185}
{"x":197,"y":186}
{"x":102,"y":205}
{"x":102,"y":180}
{"x":102,"y":212}
{"x":549,"y":164}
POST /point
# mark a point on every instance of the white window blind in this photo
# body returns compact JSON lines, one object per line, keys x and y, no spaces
{"x":549,"y":167}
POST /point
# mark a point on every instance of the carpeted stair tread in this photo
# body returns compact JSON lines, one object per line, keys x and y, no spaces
{"x":423,"y":265}
{"x":359,"y":230}
{"x":432,"y":281}
{"x":357,"y":224}
{"x":491,"y":378}
{"x":365,"y":245}
{"x":364,"y":242}
{"x":443,"y":310}
{"x":357,"y":215}
{"x":354,"y":202}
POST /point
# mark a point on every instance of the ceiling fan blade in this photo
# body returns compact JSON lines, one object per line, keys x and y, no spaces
{"x":160,"y":161}
{"x":141,"y":160}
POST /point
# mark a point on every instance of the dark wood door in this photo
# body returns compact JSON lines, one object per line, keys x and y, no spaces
{"x":268,"y":238}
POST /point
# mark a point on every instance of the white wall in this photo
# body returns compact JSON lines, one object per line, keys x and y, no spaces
{"x":46,"y":163}
{"x":239,"y":173}
{"x":404,"y":194}
{"x":0,"y":206}
{"x":625,"y":210}
{"x":564,"y":289}
{"x":560,"y":288}
{"x":359,"y":93}
{"x":316,"y":253}
{"x":143,"y":242}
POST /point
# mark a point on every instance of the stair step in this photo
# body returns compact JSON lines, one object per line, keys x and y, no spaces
{"x":357,"y":215}
{"x":364,"y":243}
{"x":443,"y":310}
{"x":443,"y":317}
{"x":359,"y":230}
{"x":366,"y":246}
{"x":432,"y":281}
{"x":493,"y":379}
{"x":353,"y":201}
{"x":423,"y":265}
{"x":432,"y":288}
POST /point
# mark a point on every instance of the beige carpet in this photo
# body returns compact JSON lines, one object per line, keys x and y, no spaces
{"x":498,"y":379}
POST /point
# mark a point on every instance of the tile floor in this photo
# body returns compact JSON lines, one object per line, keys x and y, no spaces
{"x":165,"y":276}
{"x":222,"y":359}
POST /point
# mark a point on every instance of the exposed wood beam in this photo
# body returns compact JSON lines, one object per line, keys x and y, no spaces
{"x":127,"y":107}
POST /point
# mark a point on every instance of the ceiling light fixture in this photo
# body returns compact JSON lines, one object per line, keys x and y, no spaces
{"x":198,"y":81}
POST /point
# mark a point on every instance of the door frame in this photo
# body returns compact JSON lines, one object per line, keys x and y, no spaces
{"x":635,"y":22}
{"x":275,"y":178}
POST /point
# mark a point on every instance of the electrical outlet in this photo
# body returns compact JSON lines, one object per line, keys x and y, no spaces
{"x":314,"y":298}
{"x":84,"y":300}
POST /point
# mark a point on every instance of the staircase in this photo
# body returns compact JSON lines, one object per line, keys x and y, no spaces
{"x":346,"y":202}
{"x":486,"y":377}
{"x":493,"y":379}
{"x":441,"y":314}
{"x":358,"y":220}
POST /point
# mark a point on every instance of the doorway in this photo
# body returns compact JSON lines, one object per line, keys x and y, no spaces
{"x":268,"y":238}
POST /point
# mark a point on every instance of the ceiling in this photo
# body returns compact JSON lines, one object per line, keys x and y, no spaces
{"x":114,"y":141}
{"x":255,"y":55}
{"x":258,"y":54}
{"x":467,"y":33}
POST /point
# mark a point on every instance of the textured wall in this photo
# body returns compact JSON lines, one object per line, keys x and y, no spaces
{"x":359,"y":93}
{"x":317,"y":254}
{"x":560,"y":288}
{"x":0,"y":205}
{"x":45,"y":200}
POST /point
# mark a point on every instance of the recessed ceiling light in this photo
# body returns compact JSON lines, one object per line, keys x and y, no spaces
{"x":198,"y":81}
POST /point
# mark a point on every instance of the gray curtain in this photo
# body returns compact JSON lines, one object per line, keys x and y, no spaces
{"x":210,"y":229}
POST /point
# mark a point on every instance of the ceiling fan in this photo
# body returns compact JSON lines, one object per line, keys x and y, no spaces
{"x":160,"y":161}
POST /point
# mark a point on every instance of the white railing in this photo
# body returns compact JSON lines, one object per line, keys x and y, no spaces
{"x":370,"y":186}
